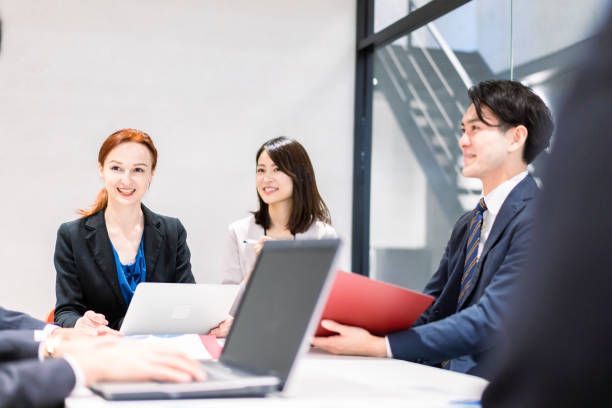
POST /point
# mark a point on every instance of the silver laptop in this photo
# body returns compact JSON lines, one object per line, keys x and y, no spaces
{"x":177,"y":308}
{"x":274,"y":323}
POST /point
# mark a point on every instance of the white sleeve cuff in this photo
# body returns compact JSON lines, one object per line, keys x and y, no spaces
{"x":389,"y":353}
{"x":41,"y":350}
{"x":40,"y":335}
{"x":79,"y":376}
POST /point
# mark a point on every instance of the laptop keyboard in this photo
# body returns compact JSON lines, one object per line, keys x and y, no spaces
{"x":218,"y":371}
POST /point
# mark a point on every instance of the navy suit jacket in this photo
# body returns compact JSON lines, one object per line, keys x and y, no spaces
{"x":27,"y":382}
{"x":466,"y":336}
{"x":10,"y":319}
{"x":86,"y":270}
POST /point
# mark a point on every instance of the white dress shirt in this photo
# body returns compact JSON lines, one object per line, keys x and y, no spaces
{"x":41,"y":335}
{"x":494,"y":200}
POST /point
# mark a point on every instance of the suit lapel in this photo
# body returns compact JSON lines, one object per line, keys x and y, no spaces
{"x":153,"y":238}
{"x":99,"y":245}
{"x":513,"y":204}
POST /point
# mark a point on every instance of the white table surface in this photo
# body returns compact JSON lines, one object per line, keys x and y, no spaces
{"x":324,"y":380}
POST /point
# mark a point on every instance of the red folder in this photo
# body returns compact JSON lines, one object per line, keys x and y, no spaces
{"x":378,"y":307}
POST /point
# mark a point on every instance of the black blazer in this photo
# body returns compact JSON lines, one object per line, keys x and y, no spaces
{"x":10,"y":319}
{"x":25,"y":381}
{"x":86,"y":270}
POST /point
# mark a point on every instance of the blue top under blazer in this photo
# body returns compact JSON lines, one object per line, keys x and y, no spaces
{"x":87,"y":273}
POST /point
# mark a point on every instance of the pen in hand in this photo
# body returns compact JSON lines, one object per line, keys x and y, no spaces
{"x":249,"y":241}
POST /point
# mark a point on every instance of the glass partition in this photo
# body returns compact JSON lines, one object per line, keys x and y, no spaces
{"x":387,"y":12}
{"x":420,"y":94}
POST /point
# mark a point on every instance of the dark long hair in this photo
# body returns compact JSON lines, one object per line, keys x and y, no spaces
{"x":308,"y":206}
{"x":114,"y":140}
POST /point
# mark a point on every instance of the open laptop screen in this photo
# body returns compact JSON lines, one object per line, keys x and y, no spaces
{"x":277,"y":306}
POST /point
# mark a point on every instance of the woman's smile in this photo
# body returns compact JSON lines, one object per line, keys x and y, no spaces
{"x":126,"y":192}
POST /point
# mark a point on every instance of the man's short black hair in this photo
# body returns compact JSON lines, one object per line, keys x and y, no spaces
{"x":515,"y":104}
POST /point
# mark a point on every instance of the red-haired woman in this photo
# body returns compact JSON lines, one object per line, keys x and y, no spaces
{"x":118,"y":243}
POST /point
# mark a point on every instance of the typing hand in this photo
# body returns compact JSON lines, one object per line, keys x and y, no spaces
{"x":111,"y":358}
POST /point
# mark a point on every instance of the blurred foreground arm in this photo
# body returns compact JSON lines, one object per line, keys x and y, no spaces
{"x":110,"y":358}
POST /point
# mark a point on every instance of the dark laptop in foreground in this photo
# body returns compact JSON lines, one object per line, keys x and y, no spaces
{"x":277,"y":317}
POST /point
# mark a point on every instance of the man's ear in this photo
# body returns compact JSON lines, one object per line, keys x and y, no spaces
{"x":518,"y":137}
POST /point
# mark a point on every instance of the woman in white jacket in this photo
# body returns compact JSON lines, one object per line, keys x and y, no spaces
{"x":290,"y":207}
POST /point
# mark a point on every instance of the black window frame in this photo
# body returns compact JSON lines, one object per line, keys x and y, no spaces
{"x":367,"y":43}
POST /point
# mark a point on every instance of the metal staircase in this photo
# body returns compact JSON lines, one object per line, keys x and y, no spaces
{"x":426,"y":89}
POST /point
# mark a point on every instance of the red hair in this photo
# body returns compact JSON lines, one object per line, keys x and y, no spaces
{"x":114,"y":140}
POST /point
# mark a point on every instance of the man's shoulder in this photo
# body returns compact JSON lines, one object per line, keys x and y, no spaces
{"x":521,"y":202}
{"x":526,"y":190}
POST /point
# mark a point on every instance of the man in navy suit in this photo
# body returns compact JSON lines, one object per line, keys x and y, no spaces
{"x":41,"y":374}
{"x":503,"y":130}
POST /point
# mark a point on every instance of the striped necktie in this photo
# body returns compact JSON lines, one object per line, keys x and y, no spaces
{"x":471,"y":252}
{"x":471,"y":257}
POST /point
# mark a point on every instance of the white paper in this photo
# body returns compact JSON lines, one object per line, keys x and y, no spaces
{"x":190,"y":344}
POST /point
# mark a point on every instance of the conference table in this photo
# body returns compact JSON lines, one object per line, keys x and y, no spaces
{"x":321,"y":379}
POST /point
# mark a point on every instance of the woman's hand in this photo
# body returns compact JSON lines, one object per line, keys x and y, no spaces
{"x":91,"y":320}
{"x":80,"y":333}
{"x":222,"y":330}
{"x":260,"y":243}
{"x":258,"y":247}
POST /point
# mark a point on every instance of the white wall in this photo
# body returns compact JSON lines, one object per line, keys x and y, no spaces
{"x":208,"y":80}
{"x":399,"y":186}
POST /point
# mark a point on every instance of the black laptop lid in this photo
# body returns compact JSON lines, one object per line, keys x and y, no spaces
{"x":277,"y":306}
